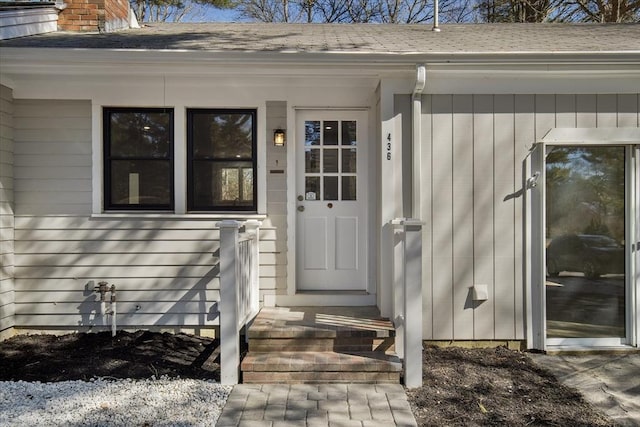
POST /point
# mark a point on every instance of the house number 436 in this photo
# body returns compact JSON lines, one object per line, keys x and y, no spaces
{"x":388,"y":146}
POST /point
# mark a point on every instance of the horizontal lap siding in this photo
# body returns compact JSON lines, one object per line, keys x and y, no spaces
{"x":7,"y":307}
{"x":274,"y":262}
{"x":474,"y":146}
{"x":165,"y":270}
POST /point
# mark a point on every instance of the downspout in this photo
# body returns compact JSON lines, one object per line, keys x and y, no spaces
{"x":416,"y":138}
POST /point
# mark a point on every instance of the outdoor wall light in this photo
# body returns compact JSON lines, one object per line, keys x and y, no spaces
{"x":278,"y":138}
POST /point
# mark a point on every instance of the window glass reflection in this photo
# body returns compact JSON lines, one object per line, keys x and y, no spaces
{"x":312,"y":133}
{"x":585,"y":232}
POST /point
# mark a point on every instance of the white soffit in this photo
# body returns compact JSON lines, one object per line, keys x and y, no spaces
{"x":592,"y":136}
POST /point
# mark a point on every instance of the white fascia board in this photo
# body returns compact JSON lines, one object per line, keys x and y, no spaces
{"x":293,"y":62}
{"x":127,"y":62}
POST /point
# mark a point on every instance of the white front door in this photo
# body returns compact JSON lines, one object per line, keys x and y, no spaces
{"x":331,"y":201}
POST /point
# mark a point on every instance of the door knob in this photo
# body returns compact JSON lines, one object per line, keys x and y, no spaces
{"x":300,"y":198}
{"x":300,"y":208}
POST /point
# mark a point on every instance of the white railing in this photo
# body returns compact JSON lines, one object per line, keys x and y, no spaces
{"x":239,"y":290}
{"x":407,"y":297}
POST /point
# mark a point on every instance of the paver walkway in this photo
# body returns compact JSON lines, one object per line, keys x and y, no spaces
{"x":317,"y":405}
{"x":611,"y":382}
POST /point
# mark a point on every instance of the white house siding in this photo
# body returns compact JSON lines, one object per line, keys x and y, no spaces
{"x":473,"y":149}
{"x":275,"y":262}
{"x":165,"y":269}
{"x":7,"y":307}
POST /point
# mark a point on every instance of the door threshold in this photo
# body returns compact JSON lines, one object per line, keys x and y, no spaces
{"x":326,"y":298}
{"x":330,"y":292}
{"x":576,"y":350}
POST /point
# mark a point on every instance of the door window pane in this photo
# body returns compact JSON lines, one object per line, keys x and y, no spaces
{"x":312,"y":133}
{"x":349,"y":133}
{"x":348,"y":188}
{"x":312,"y":188}
{"x":330,"y":160}
{"x":312,"y":160}
{"x":349,"y":160}
{"x":330,"y":133}
{"x":330,"y":188}
{"x":585,"y":235}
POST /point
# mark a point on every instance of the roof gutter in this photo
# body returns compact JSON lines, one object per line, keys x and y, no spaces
{"x":416,"y":138}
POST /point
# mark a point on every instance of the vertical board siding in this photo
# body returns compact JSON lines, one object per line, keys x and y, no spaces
{"x":441,"y":216}
{"x":505,"y":178}
{"x":462,"y":213}
{"x":474,"y":232}
{"x":483,"y":214}
{"x":165,"y":269}
{"x":426,"y":207}
{"x":7,"y":307}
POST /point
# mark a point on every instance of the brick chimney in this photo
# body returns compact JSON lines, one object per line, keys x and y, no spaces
{"x":96,"y":15}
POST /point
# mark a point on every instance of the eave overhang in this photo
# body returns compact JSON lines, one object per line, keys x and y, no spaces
{"x":200,"y":62}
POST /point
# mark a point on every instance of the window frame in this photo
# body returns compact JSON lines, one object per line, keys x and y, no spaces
{"x":108,"y":158}
{"x":191,"y":160}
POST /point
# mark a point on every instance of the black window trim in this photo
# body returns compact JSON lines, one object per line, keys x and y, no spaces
{"x":106,"y":129}
{"x":190,"y":160}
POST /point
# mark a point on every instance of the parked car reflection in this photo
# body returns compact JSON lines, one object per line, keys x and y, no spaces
{"x":590,"y":254}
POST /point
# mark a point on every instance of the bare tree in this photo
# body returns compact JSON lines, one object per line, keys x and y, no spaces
{"x":173,"y":10}
{"x":605,"y":11}
{"x":352,"y":11}
{"x":600,"y":11}
{"x":420,"y":11}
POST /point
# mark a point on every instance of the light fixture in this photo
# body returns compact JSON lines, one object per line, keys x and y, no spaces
{"x":278,"y":137}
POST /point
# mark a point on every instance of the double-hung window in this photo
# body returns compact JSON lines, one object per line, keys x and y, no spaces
{"x":138,"y":158}
{"x":221,"y":155}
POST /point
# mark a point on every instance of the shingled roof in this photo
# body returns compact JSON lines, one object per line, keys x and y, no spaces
{"x":379,"y":39}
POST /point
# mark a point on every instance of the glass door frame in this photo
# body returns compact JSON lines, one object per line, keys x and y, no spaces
{"x":534,"y":184}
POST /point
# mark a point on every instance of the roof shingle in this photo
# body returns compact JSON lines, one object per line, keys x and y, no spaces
{"x":355,"y":38}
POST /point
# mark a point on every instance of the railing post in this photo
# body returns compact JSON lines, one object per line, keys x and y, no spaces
{"x":397,"y":291}
{"x":229,"y":331}
{"x":413,"y":303}
{"x":252,"y":227}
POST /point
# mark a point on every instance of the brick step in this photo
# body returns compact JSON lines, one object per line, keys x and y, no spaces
{"x":324,"y":322}
{"x":355,"y":344}
{"x":314,"y":367}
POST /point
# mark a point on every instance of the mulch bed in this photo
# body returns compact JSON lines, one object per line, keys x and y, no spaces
{"x":82,"y":356}
{"x":462,"y":387}
{"x":495,"y":387}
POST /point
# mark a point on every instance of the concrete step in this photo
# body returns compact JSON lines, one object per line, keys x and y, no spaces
{"x":316,"y":367}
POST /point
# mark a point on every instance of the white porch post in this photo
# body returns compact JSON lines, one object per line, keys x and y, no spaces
{"x":413,"y":303}
{"x":229,"y":332}
{"x":407,"y":297}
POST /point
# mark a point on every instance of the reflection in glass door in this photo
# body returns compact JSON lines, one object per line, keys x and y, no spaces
{"x":585,"y":242}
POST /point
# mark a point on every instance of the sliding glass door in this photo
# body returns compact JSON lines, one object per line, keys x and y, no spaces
{"x":587,"y":245}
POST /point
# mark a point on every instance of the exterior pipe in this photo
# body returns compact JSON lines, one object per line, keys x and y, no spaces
{"x":416,"y":138}
{"x":436,"y":11}
{"x":113,"y":311}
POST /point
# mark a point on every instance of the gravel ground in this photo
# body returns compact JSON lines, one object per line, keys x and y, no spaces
{"x":100,"y":402}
